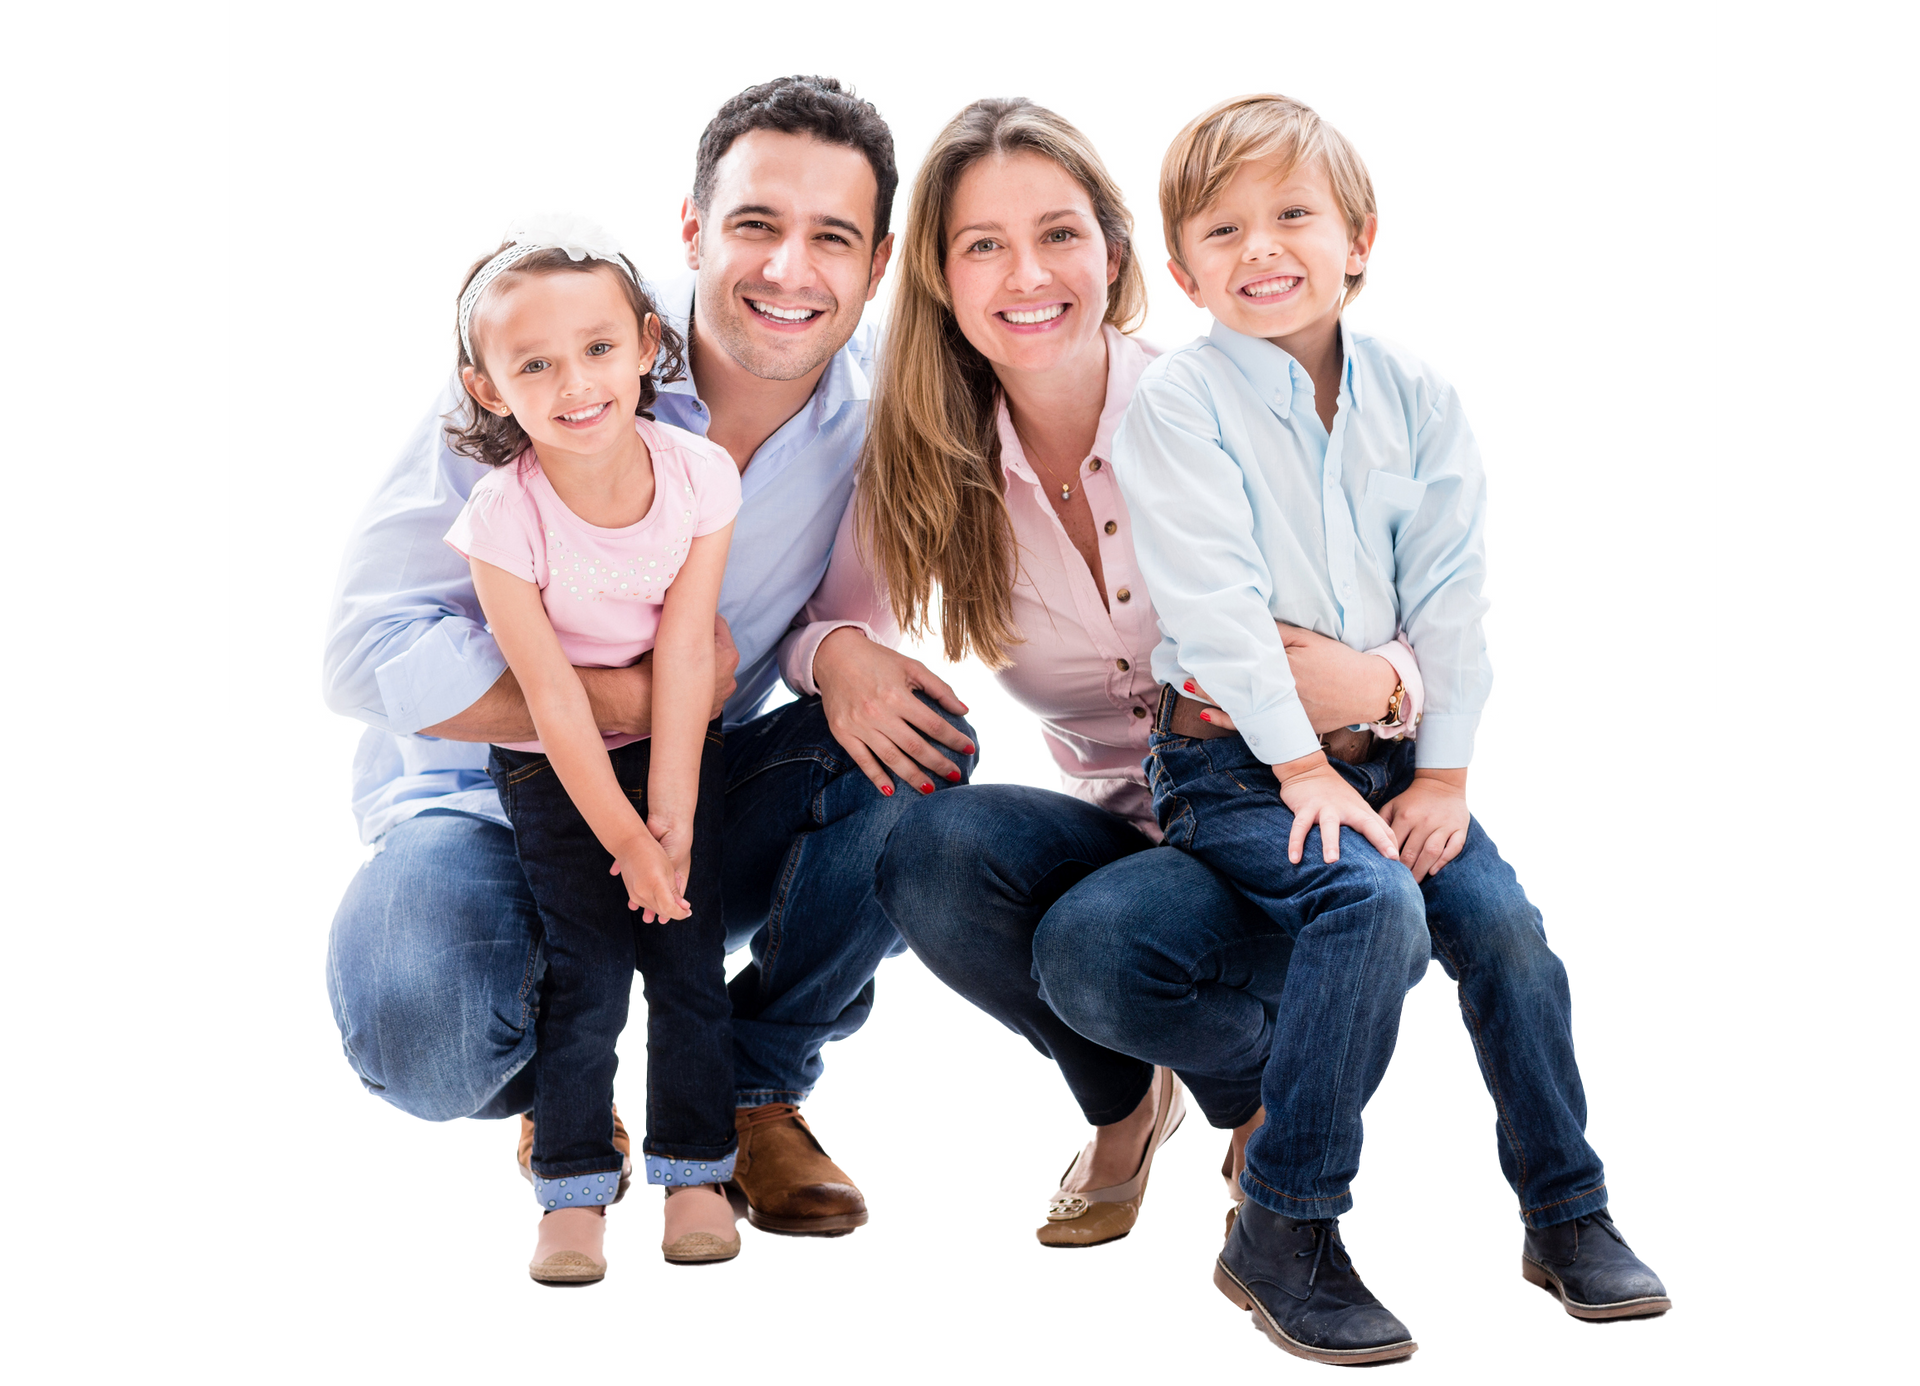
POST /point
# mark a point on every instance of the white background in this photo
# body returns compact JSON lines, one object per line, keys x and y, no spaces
{"x":1550,"y":238}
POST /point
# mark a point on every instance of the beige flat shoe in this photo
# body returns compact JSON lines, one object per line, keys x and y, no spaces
{"x":700,"y":1248}
{"x":1092,"y":1216}
{"x":569,"y":1250}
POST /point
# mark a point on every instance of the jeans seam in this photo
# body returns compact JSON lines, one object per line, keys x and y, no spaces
{"x":1601,"y":1187}
{"x":1291,"y":1198}
{"x":818,"y":757}
{"x":776,"y":914}
{"x":1346,"y":1048}
{"x":1472,"y":1016}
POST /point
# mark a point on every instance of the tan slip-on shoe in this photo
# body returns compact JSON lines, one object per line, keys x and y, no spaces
{"x":701,"y":1250}
{"x":622,"y":1142}
{"x":1232,"y":1179}
{"x":569,"y":1250}
{"x":1092,"y":1216}
{"x":790,"y":1184}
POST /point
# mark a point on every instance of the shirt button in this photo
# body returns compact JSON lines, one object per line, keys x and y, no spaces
{"x":1122,"y":665}
{"x":1094,"y":465}
{"x":1123,"y":595}
{"x":1139,"y":712}
{"x":1111,"y":526}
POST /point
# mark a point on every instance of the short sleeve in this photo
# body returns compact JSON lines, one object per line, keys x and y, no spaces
{"x":498,"y":526}
{"x":716,"y":485}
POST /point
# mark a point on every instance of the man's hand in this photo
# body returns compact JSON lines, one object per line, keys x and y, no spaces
{"x":867,"y":692}
{"x":1430,"y":820}
{"x":1320,"y":798}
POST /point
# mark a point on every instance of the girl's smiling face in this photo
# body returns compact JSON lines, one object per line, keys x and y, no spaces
{"x":1026,"y":263}
{"x":563,"y":354}
{"x":1271,"y":257}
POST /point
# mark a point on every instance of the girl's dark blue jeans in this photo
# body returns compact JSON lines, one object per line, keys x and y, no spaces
{"x":593,"y":945}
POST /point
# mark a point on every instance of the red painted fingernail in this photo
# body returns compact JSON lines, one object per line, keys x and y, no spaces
{"x":927,"y":788}
{"x":1188,"y":685}
{"x":1206,"y":717}
{"x":887,"y":790}
{"x":954,"y":775}
{"x":969,"y":748}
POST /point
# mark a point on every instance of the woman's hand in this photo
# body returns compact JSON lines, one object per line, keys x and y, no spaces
{"x":1338,"y":686}
{"x":653,"y":879}
{"x":1321,"y":799}
{"x":1430,"y":820}
{"x":867,"y":692}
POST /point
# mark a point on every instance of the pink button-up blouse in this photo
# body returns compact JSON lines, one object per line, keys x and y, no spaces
{"x":1085,"y":667}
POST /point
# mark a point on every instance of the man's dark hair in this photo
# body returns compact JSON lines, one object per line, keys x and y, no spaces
{"x":817,"y":106}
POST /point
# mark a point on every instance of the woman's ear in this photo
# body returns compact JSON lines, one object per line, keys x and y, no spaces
{"x":649,"y":343}
{"x":1115,"y":254}
{"x":482,"y":391}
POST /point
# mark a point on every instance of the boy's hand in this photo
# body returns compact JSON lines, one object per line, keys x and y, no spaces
{"x":1430,"y":819}
{"x":1320,"y":799}
{"x":648,"y":872}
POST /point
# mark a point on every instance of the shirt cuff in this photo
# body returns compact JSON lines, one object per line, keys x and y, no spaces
{"x":443,"y":673}
{"x":799,"y":647}
{"x":1281,"y":734}
{"x":1413,"y":689}
{"x":1446,"y":740}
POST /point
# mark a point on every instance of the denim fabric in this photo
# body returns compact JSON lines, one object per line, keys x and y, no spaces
{"x":1360,"y":941}
{"x":435,"y":961}
{"x":593,"y":944}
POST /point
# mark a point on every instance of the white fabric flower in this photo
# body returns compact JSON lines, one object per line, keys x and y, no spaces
{"x":580,"y":238}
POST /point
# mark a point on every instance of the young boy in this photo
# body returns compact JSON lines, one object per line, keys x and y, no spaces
{"x":1284,"y":468}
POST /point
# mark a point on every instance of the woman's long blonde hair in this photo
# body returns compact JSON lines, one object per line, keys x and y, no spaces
{"x":932,"y":497}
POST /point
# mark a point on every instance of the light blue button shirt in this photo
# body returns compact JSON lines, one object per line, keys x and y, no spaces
{"x":1246,"y":511}
{"x":407,"y":645}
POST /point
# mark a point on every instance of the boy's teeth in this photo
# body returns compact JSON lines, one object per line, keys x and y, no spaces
{"x":1033,"y":315}
{"x":1271,"y":286}
{"x":784,"y":314}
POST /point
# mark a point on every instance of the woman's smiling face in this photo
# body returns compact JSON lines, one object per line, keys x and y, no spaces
{"x":1026,"y":263}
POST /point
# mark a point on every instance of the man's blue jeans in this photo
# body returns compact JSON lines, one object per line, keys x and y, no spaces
{"x":436,"y":959}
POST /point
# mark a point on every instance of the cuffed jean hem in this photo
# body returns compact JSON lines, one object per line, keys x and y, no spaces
{"x":1233,"y":1118}
{"x":1287,"y":1206}
{"x":760,"y":1097}
{"x":684,"y":1173}
{"x":592,"y":1189}
{"x":1566,"y":1210}
{"x":1120,"y":1111}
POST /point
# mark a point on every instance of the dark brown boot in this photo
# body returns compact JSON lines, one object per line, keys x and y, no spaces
{"x":790,"y":1184}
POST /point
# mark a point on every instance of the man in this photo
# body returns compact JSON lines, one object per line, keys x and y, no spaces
{"x":435,"y":960}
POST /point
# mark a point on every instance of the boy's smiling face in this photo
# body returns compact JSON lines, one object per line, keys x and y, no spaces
{"x":1270,"y":258}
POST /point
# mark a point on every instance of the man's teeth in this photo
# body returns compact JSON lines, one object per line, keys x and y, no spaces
{"x":582,"y":415}
{"x":1024,"y":316}
{"x":1268,"y":287}
{"x":785,"y":314}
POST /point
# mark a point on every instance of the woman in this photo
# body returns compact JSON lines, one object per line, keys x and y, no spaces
{"x":1008,"y":367}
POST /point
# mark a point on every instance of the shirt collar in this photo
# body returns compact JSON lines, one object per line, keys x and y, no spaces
{"x":1279,"y":379}
{"x":1127,"y":358}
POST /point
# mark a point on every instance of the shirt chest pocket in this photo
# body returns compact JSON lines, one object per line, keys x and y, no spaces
{"x":1389,"y":502}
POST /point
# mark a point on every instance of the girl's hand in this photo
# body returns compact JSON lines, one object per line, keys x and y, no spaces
{"x":675,"y":836}
{"x":1320,"y":798}
{"x":1430,"y":819}
{"x":648,"y":873}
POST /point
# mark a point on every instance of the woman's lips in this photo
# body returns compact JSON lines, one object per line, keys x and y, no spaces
{"x":1037,"y":317}
{"x":584,"y":418}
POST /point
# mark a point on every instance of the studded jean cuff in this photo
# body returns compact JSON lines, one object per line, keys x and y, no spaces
{"x":662,"y":1170}
{"x":577,"y":1190}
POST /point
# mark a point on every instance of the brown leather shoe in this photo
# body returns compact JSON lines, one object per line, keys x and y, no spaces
{"x":790,"y":1184}
{"x":621,"y":1142}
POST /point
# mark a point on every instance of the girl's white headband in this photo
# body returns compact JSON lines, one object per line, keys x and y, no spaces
{"x":582,"y":240}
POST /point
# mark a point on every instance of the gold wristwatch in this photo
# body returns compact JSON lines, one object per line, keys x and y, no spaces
{"x":1396,"y":706}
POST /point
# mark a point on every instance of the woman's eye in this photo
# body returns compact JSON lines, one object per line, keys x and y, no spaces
{"x":984,"y":246}
{"x":1059,"y":236}
{"x":600,"y":348}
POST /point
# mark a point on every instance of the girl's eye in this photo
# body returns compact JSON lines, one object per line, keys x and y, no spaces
{"x":532,"y":366}
{"x":600,"y":348}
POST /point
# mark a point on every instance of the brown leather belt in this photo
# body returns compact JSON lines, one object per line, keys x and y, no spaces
{"x":1345,"y":744}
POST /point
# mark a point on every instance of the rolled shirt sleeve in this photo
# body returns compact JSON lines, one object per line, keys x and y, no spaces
{"x":1195,"y":538}
{"x":851,"y":594}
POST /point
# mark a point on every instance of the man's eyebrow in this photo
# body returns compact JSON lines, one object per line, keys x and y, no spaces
{"x":841,"y":224}
{"x":753,"y":209}
{"x":837,"y":223}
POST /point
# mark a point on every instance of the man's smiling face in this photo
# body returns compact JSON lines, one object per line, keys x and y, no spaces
{"x":785,"y":252}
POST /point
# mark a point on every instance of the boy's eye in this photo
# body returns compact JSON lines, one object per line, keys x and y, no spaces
{"x":1293,"y":213}
{"x":1223,"y":231}
{"x":600,"y":348}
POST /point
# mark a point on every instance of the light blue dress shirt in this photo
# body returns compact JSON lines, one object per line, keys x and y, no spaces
{"x":407,"y":645}
{"x":1246,"y":511}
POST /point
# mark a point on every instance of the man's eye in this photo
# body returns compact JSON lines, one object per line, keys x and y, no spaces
{"x":600,"y":348}
{"x":532,"y":366}
{"x":832,"y":236}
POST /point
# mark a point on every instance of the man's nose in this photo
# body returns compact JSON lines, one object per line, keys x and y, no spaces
{"x":787,"y":261}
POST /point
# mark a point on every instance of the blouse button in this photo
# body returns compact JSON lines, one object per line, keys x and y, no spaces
{"x":1122,"y":665}
{"x":1094,"y":465}
{"x":1139,"y":711}
{"x":1123,"y":595}
{"x":1111,"y":526}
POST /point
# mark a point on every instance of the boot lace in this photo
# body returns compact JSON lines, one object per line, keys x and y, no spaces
{"x":1327,"y":1248}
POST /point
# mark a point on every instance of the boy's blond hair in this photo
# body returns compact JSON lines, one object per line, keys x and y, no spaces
{"x":1204,"y":157}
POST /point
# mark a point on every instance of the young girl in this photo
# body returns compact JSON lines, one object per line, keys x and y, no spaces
{"x":599,"y":536}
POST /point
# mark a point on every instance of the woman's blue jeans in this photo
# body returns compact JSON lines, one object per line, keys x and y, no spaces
{"x":593,"y":944}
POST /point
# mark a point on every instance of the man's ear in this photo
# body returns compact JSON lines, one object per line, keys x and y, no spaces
{"x":1188,"y":284}
{"x":1362,"y":248}
{"x":482,"y":390}
{"x":882,"y":255}
{"x":649,"y":344}
{"x":690,"y":231}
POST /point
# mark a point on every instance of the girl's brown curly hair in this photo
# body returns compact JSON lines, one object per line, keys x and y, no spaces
{"x":495,"y":440}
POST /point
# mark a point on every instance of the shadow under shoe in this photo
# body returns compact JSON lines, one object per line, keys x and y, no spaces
{"x":1588,"y":1264}
{"x":1296,"y":1278}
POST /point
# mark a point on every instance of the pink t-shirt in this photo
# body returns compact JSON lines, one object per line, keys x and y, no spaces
{"x":603,"y":588}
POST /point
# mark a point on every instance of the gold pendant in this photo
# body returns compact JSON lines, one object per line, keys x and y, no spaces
{"x":1066,"y":491}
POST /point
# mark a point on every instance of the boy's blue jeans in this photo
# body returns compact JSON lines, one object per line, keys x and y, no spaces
{"x":1362,"y":933}
{"x":593,"y":945}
